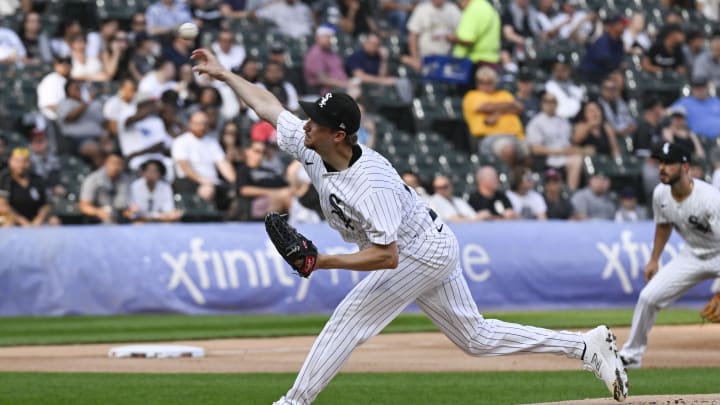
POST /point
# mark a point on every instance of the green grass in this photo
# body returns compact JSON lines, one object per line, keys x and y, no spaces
{"x":135,"y":328}
{"x":494,"y":388}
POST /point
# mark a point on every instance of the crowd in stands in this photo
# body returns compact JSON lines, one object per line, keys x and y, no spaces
{"x":562,"y":102}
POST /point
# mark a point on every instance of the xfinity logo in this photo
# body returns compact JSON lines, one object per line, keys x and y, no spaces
{"x":325,"y":99}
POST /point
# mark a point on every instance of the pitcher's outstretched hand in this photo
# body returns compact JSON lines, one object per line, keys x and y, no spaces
{"x":207,"y":63}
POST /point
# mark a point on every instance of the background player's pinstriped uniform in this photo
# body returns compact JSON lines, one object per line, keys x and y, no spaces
{"x":697,"y":220}
{"x":368,"y":203}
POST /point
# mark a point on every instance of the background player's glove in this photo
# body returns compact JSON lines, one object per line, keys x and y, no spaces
{"x":711,"y":312}
{"x":296,"y":249}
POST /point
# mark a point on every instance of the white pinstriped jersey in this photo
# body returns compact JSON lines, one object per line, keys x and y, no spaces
{"x":368,"y":203}
{"x":696,"y":219}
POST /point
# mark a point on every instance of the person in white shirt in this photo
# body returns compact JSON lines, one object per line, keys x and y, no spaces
{"x":198,"y":158}
{"x":12,"y":49}
{"x":51,"y":89}
{"x":292,"y":17}
{"x":121,"y":104}
{"x":142,"y":134}
{"x":229,"y":54}
{"x":84,"y":66}
{"x":573,"y":24}
{"x":152,"y":197}
{"x":449,"y":207}
{"x":569,"y":95}
{"x":429,"y":26}
{"x":162,"y":78}
{"x":635,"y":39}
{"x":528,"y":203}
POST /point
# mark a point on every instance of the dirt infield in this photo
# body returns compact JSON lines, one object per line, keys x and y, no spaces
{"x":670,"y":347}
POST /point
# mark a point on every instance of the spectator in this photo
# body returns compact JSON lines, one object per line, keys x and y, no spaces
{"x":572,"y":23}
{"x":369,"y":64}
{"x":265,"y":133}
{"x":525,"y":95}
{"x":12,"y":49}
{"x":520,"y":22}
{"x":569,"y":95}
{"x":429,"y":26}
{"x":396,"y":13}
{"x":549,"y":136}
{"x":546,"y":12}
{"x":526,"y":202}
{"x":99,"y":41}
{"x":44,"y":163}
{"x":260,"y":191}
{"x":51,"y":89}
{"x":594,"y":133}
{"x":615,"y":109}
{"x":677,"y":132}
{"x":198,"y":159}
{"x":666,"y":53}
{"x":120,"y":105}
{"x":649,"y":130}
{"x":26,"y":192}
{"x":84,"y":67}
{"x":703,"y":110}
{"x":708,"y":63}
{"x":138,"y":28}
{"x":715,"y":160}
{"x":629,"y":210}
{"x":605,"y":54}
{"x":292,"y":18}
{"x":323,"y":67}
{"x":250,"y":69}
{"x":159,"y":79}
{"x":367,"y":132}
{"x":493,"y":116}
{"x":81,"y":123}
{"x":188,"y":90}
{"x":558,"y":205}
{"x":635,"y":39}
{"x":697,"y":171}
{"x":236,"y":9}
{"x":326,"y":12}
{"x":229,"y":54}
{"x":115,"y":56}
{"x":305,"y":204}
{"x":164,"y":16}
{"x":489,"y":201}
{"x":142,"y":134}
{"x":356,"y":17}
{"x":274,"y":81}
{"x":105,"y":193}
{"x":35,"y":40}
{"x":230,"y":139}
{"x":67,"y":30}
{"x":481,"y":46}
{"x":593,"y":201}
{"x":414,"y":182}
{"x":206,"y":14}
{"x":178,"y":51}
{"x":449,"y":207}
{"x":694,"y":47}
{"x":152,"y":197}
{"x":171,"y":115}
{"x":7,"y":216}
{"x":143,"y":59}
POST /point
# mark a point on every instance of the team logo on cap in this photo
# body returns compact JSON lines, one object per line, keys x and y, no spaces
{"x":324,"y":100}
{"x":666,"y":148}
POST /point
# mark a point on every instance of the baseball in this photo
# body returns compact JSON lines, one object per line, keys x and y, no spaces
{"x":188,"y":31}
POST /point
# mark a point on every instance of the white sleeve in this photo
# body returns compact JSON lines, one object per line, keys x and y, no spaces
{"x":381,"y":216}
{"x":657,"y":206}
{"x":291,"y":135}
{"x":539,"y":204}
{"x":217,"y":152}
{"x":166,"y":202}
{"x":178,"y":150}
{"x":465,"y":209}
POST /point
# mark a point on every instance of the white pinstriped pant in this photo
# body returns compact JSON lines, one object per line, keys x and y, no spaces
{"x":670,"y":283}
{"x":431,"y":277}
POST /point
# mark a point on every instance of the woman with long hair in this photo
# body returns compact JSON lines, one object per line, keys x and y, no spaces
{"x":35,"y":40}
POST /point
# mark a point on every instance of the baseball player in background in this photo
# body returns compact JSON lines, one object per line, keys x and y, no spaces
{"x":692,"y":207}
{"x":409,"y":253}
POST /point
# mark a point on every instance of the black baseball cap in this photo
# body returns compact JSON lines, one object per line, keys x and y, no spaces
{"x":337,"y":111}
{"x":671,"y":153}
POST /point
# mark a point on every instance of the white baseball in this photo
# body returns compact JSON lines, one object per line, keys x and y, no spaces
{"x":188,"y":31}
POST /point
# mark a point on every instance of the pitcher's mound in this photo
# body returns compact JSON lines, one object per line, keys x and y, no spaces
{"x":705,"y":399}
{"x":156,"y":351}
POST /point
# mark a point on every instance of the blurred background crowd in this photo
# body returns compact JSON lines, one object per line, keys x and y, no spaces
{"x":512,"y":109}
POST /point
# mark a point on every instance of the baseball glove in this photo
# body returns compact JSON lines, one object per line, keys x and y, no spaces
{"x":711,"y":312}
{"x":296,"y":249}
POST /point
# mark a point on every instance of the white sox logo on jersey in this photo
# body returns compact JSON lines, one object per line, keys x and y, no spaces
{"x":701,"y":224}
{"x":335,"y":202}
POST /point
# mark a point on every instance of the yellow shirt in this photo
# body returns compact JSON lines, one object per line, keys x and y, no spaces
{"x":507,"y":124}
